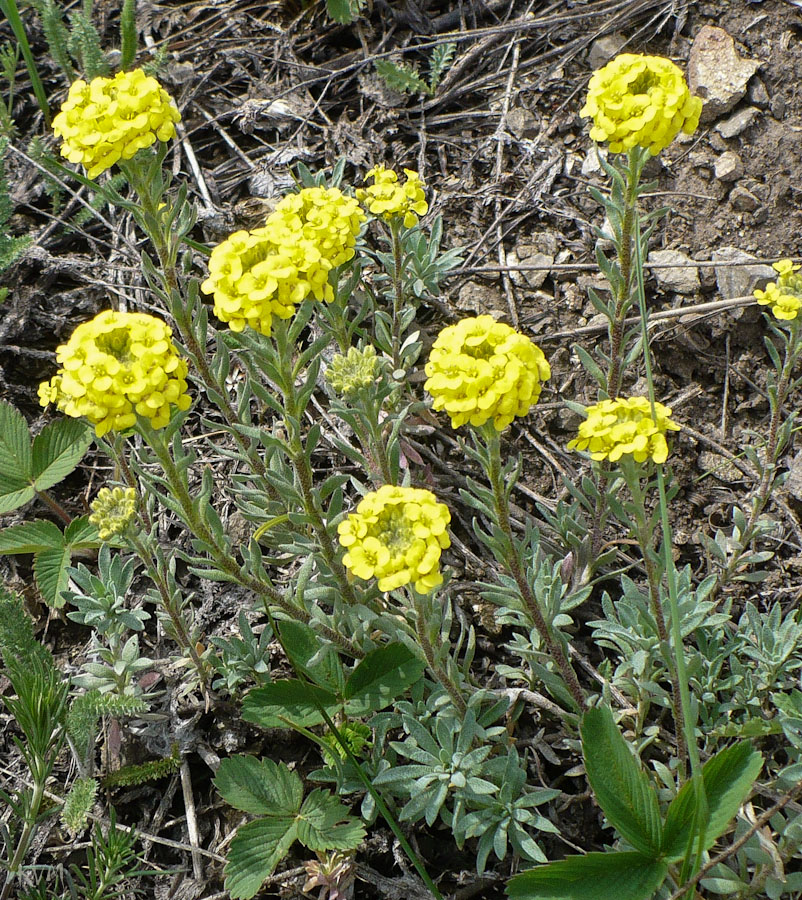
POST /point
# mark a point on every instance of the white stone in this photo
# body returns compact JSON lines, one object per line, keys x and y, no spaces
{"x":717,"y":72}
{"x":682,"y":278}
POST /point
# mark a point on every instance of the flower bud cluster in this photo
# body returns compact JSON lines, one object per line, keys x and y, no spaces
{"x":110,"y":119}
{"x":481,"y":370}
{"x":354,"y":372}
{"x":116,"y":367}
{"x":112,"y":511}
{"x":396,"y":536}
{"x":255,"y":275}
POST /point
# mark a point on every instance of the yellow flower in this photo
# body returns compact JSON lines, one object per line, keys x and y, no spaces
{"x":641,"y":101}
{"x":480,"y":369}
{"x":785,"y":294}
{"x":116,"y":367}
{"x":388,"y":199}
{"x":112,"y":511}
{"x":396,"y":536}
{"x":110,"y":119}
{"x":255,"y":275}
{"x":625,"y":426}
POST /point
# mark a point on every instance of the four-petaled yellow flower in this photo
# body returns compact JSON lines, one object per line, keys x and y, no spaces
{"x":112,"y":511}
{"x":785,"y":294}
{"x":481,"y":370}
{"x":388,"y":199}
{"x":255,"y":275}
{"x":638,"y":100}
{"x":396,"y":535}
{"x":117,"y":367}
{"x":110,"y":119}
{"x":615,"y":428}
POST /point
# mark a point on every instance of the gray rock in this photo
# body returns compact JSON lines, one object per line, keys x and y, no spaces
{"x":603,"y":49}
{"x":684,"y":279}
{"x":479,"y":298}
{"x":757,"y":94}
{"x":530,"y":254}
{"x":743,"y":200}
{"x":728,"y":167}
{"x":591,"y":164}
{"x":739,"y":280}
{"x":717,"y":72}
{"x":737,"y":122}
{"x":522,"y":123}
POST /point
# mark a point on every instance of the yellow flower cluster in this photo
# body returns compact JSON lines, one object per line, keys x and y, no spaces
{"x":784,"y":295}
{"x":116,"y":367}
{"x":112,"y":510}
{"x":388,"y":199}
{"x":625,"y":426}
{"x":640,"y":100}
{"x":396,"y":536}
{"x":112,"y":118}
{"x":255,"y":275}
{"x":480,"y":369}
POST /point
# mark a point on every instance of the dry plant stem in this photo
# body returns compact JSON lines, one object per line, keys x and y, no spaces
{"x":227,"y":563}
{"x":428,"y":651}
{"x":179,"y":625}
{"x":516,"y":568}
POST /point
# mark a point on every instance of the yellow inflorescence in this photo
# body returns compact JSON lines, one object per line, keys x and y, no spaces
{"x":388,"y":199}
{"x":481,"y":370}
{"x":396,"y":536}
{"x":641,"y":101}
{"x":116,"y":367}
{"x":625,"y":426}
{"x":255,"y":275}
{"x":110,"y":119}
{"x":112,"y":511}
{"x":784,"y":295}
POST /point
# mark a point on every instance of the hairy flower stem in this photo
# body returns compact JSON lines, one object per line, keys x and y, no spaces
{"x":398,"y":291}
{"x":514,"y":564}
{"x":435,"y":668}
{"x":55,"y":506}
{"x":222,"y":557}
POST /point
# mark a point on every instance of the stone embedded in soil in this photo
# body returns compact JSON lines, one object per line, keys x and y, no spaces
{"x":728,"y":166}
{"x":717,"y":72}
{"x":477,"y":297}
{"x":591,"y":164}
{"x":522,"y":123}
{"x":738,"y":122}
{"x":682,"y":278}
{"x":743,"y":200}
{"x":793,"y":484}
{"x":539,"y":251}
{"x":757,"y":94}
{"x":603,"y":49}
{"x":739,"y":280}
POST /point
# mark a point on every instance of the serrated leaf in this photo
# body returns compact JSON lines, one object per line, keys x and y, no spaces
{"x":259,"y":786}
{"x":728,"y":777}
{"x":15,"y":444}
{"x":340,"y":11}
{"x":255,"y":851}
{"x":595,"y":876}
{"x":325,"y":824}
{"x":401,"y":78}
{"x":622,"y":788}
{"x":303,"y":645}
{"x":382,"y":676}
{"x":81,"y":533}
{"x":50,"y":571}
{"x":287,"y":704}
{"x":31,"y":537}
{"x":57,"y":450}
{"x":14,"y":492}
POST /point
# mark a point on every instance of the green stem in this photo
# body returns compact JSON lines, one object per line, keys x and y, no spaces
{"x":11,"y":12}
{"x":398,"y":291}
{"x":435,"y":668}
{"x":514,"y":565}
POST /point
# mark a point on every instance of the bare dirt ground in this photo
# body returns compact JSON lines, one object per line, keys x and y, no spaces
{"x":507,"y":160}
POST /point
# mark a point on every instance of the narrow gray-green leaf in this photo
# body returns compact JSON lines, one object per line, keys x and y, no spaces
{"x":30,"y":537}
{"x":622,"y":788}
{"x":381,"y":677}
{"x":287,"y":704}
{"x":595,"y":876}
{"x":728,"y":777}
{"x":259,"y":786}
{"x":15,"y":443}
{"x":256,"y":850}
{"x":50,"y":570}
{"x":57,"y":450}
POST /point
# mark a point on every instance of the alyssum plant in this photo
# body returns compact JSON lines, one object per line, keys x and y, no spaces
{"x":320,"y":302}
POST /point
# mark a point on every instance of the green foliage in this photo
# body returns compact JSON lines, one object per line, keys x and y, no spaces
{"x":128,"y":776}
{"x":11,"y":248}
{"x":128,"y":37}
{"x":84,"y":43}
{"x":241,"y":659}
{"x":405,"y":78}
{"x":56,"y":34}
{"x":100,"y":601}
{"x":270,"y":790}
{"x":345,"y":11}
{"x":78,"y":804}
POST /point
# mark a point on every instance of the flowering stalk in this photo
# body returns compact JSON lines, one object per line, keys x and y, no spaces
{"x":513,"y":561}
{"x":439,"y":672}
